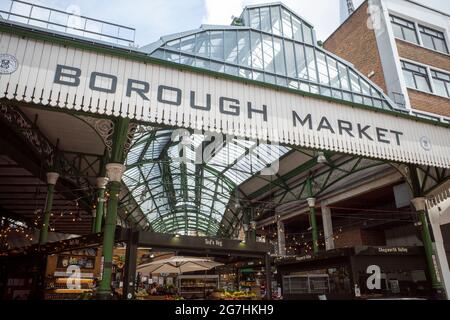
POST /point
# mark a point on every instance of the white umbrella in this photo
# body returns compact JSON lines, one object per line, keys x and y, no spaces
{"x":178,"y":265}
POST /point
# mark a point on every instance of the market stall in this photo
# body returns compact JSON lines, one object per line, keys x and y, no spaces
{"x":214,"y":249}
{"x":72,"y":274}
{"x":189,"y":286}
{"x":352,"y":273}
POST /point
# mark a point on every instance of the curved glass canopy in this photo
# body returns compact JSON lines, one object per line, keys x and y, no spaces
{"x":271,"y":44}
{"x":180,"y":193}
{"x":268,"y":43}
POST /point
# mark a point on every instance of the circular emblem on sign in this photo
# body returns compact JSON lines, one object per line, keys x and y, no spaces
{"x":8,"y":63}
{"x":425,"y":142}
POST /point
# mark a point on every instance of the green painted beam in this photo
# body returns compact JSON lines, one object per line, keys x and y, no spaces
{"x":300,"y":169}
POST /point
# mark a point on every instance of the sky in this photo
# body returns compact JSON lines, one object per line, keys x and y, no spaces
{"x":155,"y":18}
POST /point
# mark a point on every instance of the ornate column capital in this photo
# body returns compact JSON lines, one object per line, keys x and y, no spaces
{"x":419,"y":203}
{"x":52,"y":177}
{"x":311,"y":202}
{"x":114,"y":171}
{"x":102,"y":182}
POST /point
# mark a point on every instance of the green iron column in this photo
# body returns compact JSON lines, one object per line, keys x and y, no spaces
{"x":114,"y":170}
{"x":312,"y":215}
{"x":52,"y":178}
{"x":419,"y":203}
{"x":420,"y":206}
{"x":100,"y":206}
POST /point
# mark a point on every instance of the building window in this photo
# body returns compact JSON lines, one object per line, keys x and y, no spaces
{"x":404,"y":29}
{"x":416,"y":76}
{"x":441,"y":82}
{"x":433,"y":39}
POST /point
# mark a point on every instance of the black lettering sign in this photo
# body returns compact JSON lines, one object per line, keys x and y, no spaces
{"x":381,"y":133}
{"x":144,"y":87}
{"x":302,"y":121}
{"x":345,"y":126}
{"x":362,"y":132}
{"x":93,"y":80}
{"x":208,"y":102}
{"x":67,"y":72}
{"x":397,"y":136}
{"x":325,"y":124}
{"x":71,"y":76}
{"x":251,"y":111}
{"x":234,"y":104}
{"x":161,"y":98}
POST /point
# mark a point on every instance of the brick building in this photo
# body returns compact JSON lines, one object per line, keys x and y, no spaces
{"x":403,"y":47}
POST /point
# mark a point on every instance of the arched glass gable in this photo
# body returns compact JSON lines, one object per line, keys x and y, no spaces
{"x":271,"y":44}
{"x":268,"y":43}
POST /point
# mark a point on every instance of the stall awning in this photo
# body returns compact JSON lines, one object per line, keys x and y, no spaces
{"x":48,"y":73}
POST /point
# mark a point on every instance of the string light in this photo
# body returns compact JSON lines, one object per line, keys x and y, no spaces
{"x":10,"y":228}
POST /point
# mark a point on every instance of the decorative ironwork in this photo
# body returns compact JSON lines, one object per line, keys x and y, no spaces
{"x":104,"y":128}
{"x":438,"y":199}
{"x":289,"y":190}
{"x":72,"y":175}
{"x":86,"y":165}
{"x":132,"y":129}
{"x":29,"y":132}
{"x":52,"y":159}
{"x":404,"y":171}
{"x":430,"y":178}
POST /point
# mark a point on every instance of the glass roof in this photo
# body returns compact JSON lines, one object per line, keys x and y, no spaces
{"x":268,"y":43}
{"x":179,"y":194}
{"x":271,"y":44}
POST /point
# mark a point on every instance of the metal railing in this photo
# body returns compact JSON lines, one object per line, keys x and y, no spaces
{"x":67,"y":22}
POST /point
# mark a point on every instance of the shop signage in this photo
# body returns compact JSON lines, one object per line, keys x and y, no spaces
{"x":393,"y":250}
{"x":73,"y":242}
{"x":83,"y":80}
{"x":84,"y":262}
{"x":70,"y":76}
{"x":303,"y":258}
{"x":213,"y":242}
{"x":67,"y":273}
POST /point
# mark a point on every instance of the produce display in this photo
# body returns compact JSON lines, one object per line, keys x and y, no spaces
{"x":174,"y":297}
{"x":141,"y":293}
{"x":233,"y":295}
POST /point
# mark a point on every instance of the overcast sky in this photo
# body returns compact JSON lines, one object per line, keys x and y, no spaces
{"x":155,"y":18}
